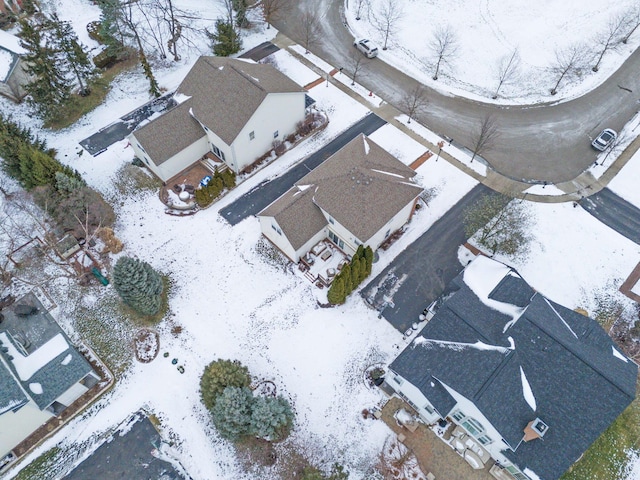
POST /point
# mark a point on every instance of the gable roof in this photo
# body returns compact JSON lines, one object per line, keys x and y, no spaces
{"x":170,"y":133}
{"x":362,"y":186}
{"x":52,"y":365}
{"x":298,"y":217}
{"x":489,"y":350}
{"x":226,"y":92}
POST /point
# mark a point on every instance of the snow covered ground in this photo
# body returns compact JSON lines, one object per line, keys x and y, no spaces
{"x":487,"y":31}
{"x":233,"y":301}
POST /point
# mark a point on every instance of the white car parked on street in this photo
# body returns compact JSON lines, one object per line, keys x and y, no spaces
{"x":366,"y":47}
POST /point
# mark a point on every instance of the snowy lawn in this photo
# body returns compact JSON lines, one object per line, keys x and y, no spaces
{"x":488,"y":31}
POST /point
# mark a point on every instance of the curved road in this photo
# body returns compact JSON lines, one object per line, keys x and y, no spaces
{"x":538,"y":143}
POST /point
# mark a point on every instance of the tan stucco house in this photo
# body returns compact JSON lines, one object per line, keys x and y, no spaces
{"x":358,"y":196}
{"x":234,"y":108}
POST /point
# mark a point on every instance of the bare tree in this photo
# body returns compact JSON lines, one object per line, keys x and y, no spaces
{"x":178,"y":24}
{"x":414,"y":101}
{"x":362,"y":6}
{"x":356,"y":65}
{"x":444,"y":47}
{"x":507,"y":71}
{"x":569,"y":61}
{"x":633,"y":22}
{"x":309,"y":29}
{"x":485,"y":136}
{"x":386,"y":21}
{"x":610,"y":37}
{"x":273,"y":9}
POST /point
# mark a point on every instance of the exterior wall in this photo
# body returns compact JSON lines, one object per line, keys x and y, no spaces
{"x":350,"y":241}
{"x":418,"y":401}
{"x":13,"y":86}
{"x":214,"y":140}
{"x":175,"y":164}
{"x":71,"y":395}
{"x":279,"y":112}
{"x":15,"y":427}
{"x":397,"y":222}
{"x":282,"y":242}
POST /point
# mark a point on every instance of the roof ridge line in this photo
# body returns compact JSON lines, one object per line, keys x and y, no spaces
{"x":507,"y":358}
{"x":247,"y":77}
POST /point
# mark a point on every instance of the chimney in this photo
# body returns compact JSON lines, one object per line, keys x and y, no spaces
{"x":535,"y":429}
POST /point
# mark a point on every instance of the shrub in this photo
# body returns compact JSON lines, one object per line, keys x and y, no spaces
{"x":352,"y":275}
{"x":219,"y":375}
{"x":271,"y":418}
{"x":138,"y":284}
{"x":231,"y":412}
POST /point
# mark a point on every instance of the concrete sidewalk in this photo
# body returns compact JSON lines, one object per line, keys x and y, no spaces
{"x":582,"y":186}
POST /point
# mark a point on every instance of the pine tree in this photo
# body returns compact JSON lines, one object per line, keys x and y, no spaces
{"x":36,"y":167}
{"x":336,"y":295}
{"x":368,"y":255}
{"x":77,"y":61}
{"x":111,"y":32}
{"x":355,"y":272}
{"x":229,"y":178}
{"x":67,"y":184}
{"x":225,"y":40}
{"x":48,"y":88}
{"x":154,"y":89}
{"x":359,"y":252}
{"x":362,"y":270}
{"x":219,"y":375}
{"x":138,"y":284}
{"x":231,"y":413}
{"x":271,"y":418}
{"x":346,"y":276}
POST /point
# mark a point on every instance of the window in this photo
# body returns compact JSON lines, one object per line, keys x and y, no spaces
{"x":217,"y":151}
{"x":485,"y":440}
{"x":335,"y":239}
{"x":516,"y":473}
{"x":428,"y":408}
{"x":252,"y":135}
{"x":388,"y":233}
{"x":397,"y":380}
{"x":473,"y":426}
{"x":458,"y":415}
{"x":331,"y":221}
{"x":276,"y":229}
{"x":275,"y":134}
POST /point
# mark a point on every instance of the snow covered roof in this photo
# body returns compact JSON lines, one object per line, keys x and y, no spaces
{"x":11,"y":42}
{"x":537,"y":359}
{"x":51,"y":364}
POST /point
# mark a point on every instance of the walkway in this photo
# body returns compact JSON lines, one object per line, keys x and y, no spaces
{"x":615,"y":212}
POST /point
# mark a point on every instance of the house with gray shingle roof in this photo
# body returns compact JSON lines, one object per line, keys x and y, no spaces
{"x":528,"y":384}
{"x":233,"y":108}
{"x":41,"y":373}
{"x":13,"y":77}
{"x":358,"y":196}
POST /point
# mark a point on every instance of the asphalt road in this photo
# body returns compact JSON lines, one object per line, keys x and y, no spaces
{"x":259,"y":197}
{"x":127,"y":456}
{"x":544,"y":142}
{"x":420,"y":274}
{"x":614,"y":212}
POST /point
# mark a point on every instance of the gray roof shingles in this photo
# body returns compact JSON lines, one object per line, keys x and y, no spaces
{"x":579,"y":386}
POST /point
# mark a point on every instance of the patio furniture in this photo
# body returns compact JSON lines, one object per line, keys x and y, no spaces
{"x":473,"y":460}
{"x":326,"y":255}
{"x":431,"y":476}
{"x":190,"y":189}
{"x":318,"y":248}
{"x":331,"y":272}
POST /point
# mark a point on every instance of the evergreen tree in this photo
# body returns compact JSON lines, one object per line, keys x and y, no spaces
{"x":336,"y":295}
{"x":48,"y":89}
{"x":66,"y":184}
{"x":111,"y":32}
{"x":359,"y":252}
{"x":368,"y":255}
{"x":229,"y":178}
{"x":154,"y":89}
{"x":231,"y":413}
{"x":219,"y":375}
{"x":346,"y":277}
{"x":138,"y":284}
{"x":225,"y":40}
{"x":77,"y":61}
{"x":271,"y":418}
{"x":362,"y":270}
{"x":36,"y":167}
{"x":355,"y":272}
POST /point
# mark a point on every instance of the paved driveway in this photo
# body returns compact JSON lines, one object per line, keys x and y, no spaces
{"x":127,"y":457}
{"x":545,"y":142}
{"x":614,"y":212}
{"x":420,"y":274}
{"x":257,"y":199}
